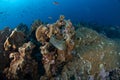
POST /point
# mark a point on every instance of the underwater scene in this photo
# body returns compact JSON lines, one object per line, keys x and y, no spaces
{"x":59,"y":39}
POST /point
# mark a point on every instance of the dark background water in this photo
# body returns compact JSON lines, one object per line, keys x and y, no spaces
{"x":13,"y":12}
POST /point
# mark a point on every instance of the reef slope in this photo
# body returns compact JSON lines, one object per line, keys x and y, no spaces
{"x":58,"y":51}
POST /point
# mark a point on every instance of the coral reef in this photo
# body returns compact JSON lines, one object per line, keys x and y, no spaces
{"x":111,"y":31}
{"x":15,"y":40}
{"x":89,"y":49}
{"x":33,"y":28}
{"x":57,"y":44}
{"x":22,"y":65}
{"x":58,"y":51}
{"x":114,"y":74}
{"x":35,"y":25}
{"x":4,"y":60}
{"x":23,"y":28}
{"x":95,"y":56}
{"x":98,"y":50}
{"x":3,"y":35}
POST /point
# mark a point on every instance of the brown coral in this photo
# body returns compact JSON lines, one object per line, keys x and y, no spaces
{"x":23,"y":28}
{"x":98,"y":50}
{"x":66,"y":54}
{"x":90,"y":50}
{"x":4,"y":59}
{"x":35,"y":25}
{"x":95,"y":56}
{"x":48,"y":58}
{"x":41,"y":33}
{"x":3,"y":36}
{"x":22,"y":65}
{"x":60,"y":36}
{"x":15,"y":40}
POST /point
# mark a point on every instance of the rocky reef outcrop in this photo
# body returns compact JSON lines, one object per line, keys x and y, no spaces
{"x":58,"y":51}
{"x":15,"y":40}
{"x":81,"y":54}
{"x":95,"y":56}
{"x":3,"y":36}
{"x":57,"y":44}
{"x":22,"y":66}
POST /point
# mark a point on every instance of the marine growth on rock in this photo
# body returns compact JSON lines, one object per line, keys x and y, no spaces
{"x":57,"y":51}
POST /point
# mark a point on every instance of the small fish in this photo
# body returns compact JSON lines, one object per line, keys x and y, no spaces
{"x":50,"y":17}
{"x":56,"y":3}
{"x":1,"y":12}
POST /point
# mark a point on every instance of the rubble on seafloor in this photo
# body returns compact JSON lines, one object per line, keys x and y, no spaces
{"x":57,"y":51}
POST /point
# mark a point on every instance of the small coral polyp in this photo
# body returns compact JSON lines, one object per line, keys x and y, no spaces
{"x":60,"y":37}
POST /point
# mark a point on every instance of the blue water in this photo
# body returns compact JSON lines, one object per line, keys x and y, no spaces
{"x":13,"y":12}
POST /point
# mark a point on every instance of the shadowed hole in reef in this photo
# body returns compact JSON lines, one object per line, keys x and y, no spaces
{"x":72,"y":78}
{"x":36,"y":55}
{"x":38,"y":58}
{"x":51,"y":48}
{"x":60,"y":68}
{"x":28,"y":77}
{"x":78,"y":38}
{"x":2,"y":76}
